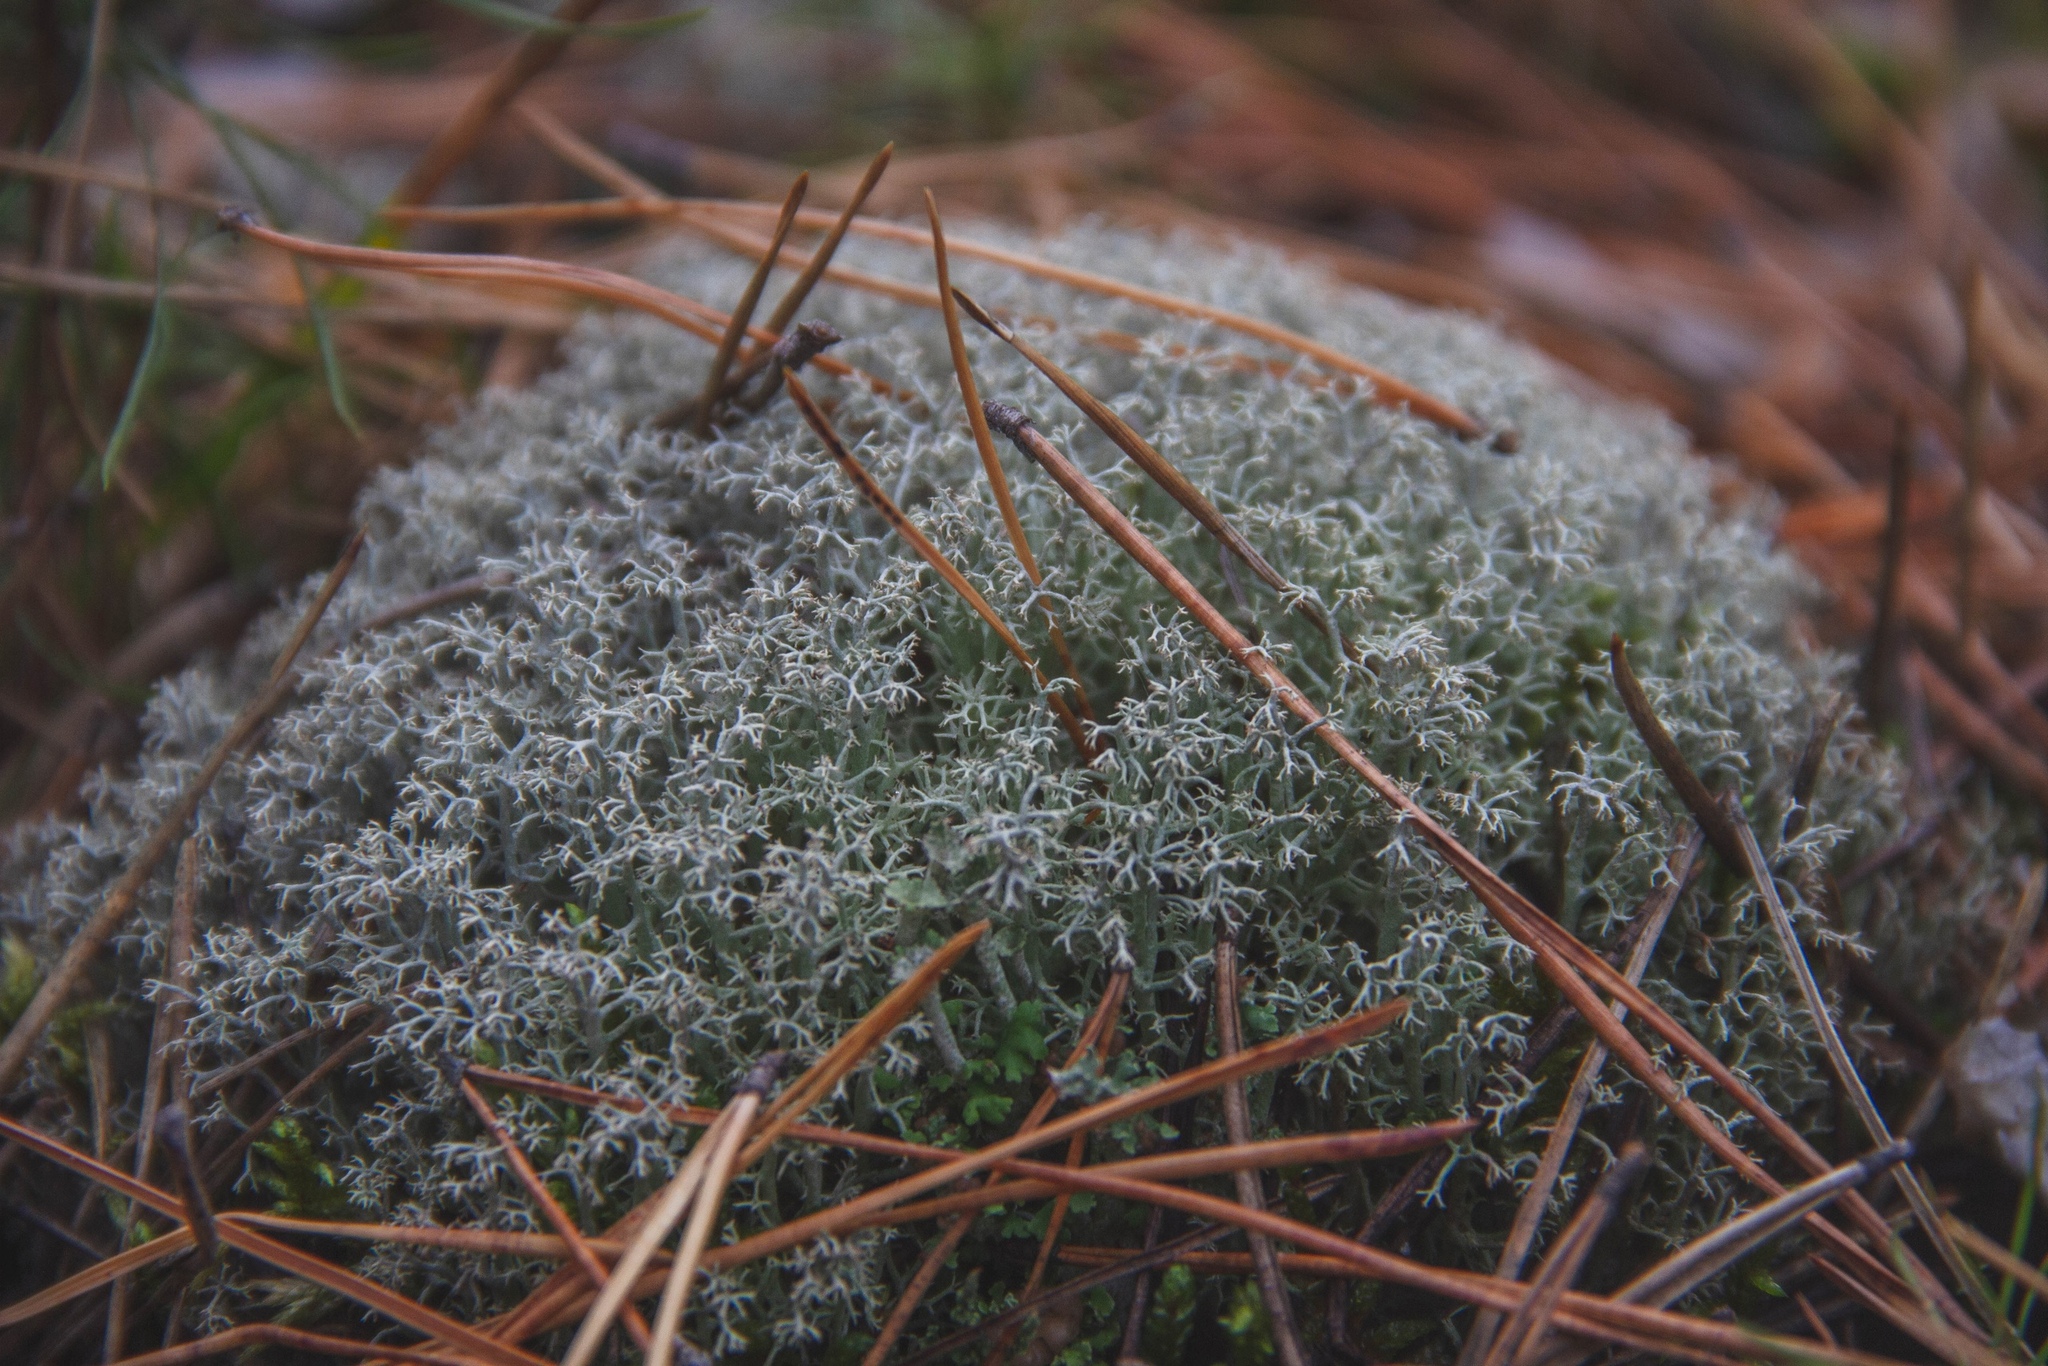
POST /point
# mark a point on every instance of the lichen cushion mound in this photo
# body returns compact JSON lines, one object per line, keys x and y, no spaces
{"x":722,"y":759}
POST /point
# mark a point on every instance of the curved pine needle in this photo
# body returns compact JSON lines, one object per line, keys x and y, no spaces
{"x":1386,"y":390}
{"x":698,"y":319}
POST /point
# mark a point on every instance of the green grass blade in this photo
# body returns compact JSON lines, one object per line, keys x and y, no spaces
{"x":526,"y":21}
{"x":153,"y":345}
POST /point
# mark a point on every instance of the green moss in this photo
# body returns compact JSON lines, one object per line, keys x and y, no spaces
{"x":724,"y":760}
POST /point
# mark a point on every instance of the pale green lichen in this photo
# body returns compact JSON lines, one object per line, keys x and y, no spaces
{"x":723,"y":756}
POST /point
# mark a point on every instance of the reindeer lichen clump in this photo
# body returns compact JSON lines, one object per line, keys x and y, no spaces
{"x":717,"y":759}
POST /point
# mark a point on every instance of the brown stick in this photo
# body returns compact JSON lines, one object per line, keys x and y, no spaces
{"x":120,"y":899}
{"x":453,"y":144}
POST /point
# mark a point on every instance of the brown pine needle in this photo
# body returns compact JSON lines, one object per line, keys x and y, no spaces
{"x":1881,"y":664}
{"x":120,"y":899}
{"x":97,"y":1275}
{"x":231,"y":1158}
{"x":250,"y":1335}
{"x":543,"y":1307}
{"x":935,"y":1259}
{"x":1852,"y":1081}
{"x":1098,"y":1037}
{"x":700,"y":320}
{"x":668,"y":1207}
{"x":567,"y":144}
{"x":1084,"y":744}
{"x":675,"y":1297}
{"x":247,"y":1240}
{"x":1162,"y":472}
{"x":1237,"y":1125}
{"x":1388,"y":391}
{"x":1559,"y":955}
{"x":1685,"y":1270}
{"x":821,"y":259}
{"x":818,"y":1080}
{"x":1699,"y":803}
{"x":743,"y":311}
{"x":985,"y":444}
{"x":1265,"y":1058}
{"x":1656,"y":912}
{"x":166,"y":1073}
{"x":1113,"y":1265}
{"x":1523,"y":1336}
{"x":1577,"y":1313}
{"x":698,"y":1115}
{"x":537,"y":1191}
{"x":1039,"y":1180}
{"x":453,"y":144}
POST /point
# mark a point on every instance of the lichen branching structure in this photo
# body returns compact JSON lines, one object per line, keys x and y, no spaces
{"x":722,"y":759}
